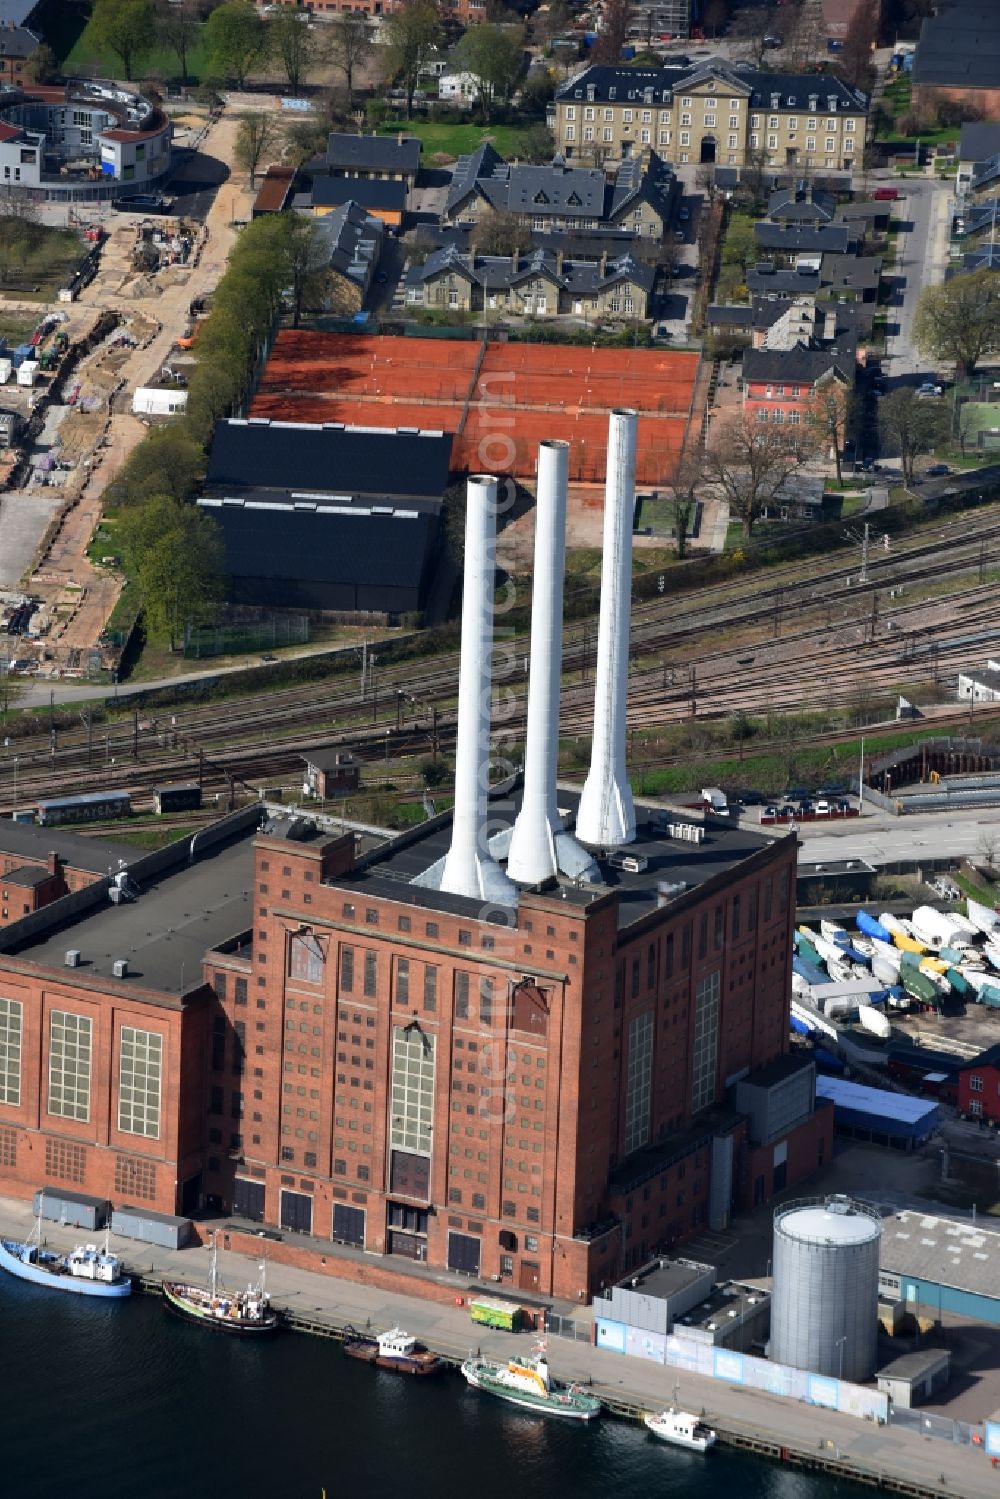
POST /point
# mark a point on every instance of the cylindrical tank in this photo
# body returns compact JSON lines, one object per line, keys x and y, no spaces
{"x":824,"y":1306}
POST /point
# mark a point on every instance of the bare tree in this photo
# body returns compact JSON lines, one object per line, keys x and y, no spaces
{"x":751,"y":460}
{"x":613,"y":34}
{"x":804,"y":37}
{"x":912,"y":424}
{"x":682,"y":491}
{"x":750,"y":29}
{"x":827,"y":417}
{"x":256,"y":134}
{"x":856,"y":60}
{"x":178,"y":26}
{"x":351,"y":43}
{"x":501,"y":234}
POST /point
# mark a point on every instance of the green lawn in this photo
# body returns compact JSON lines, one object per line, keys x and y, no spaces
{"x":86,"y":56}
{"x":35,"y":274}
{"x":458,"y":140}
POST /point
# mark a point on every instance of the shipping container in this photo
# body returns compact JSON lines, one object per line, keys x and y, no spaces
{"x":89,"y":806}
{"x":151,"y":1228}
{"x":6,"y":366}
{"x":503,"y":1315}
{"x":77,"y":1208}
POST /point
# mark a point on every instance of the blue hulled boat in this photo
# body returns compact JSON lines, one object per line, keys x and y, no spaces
{"x":86,"y":1270}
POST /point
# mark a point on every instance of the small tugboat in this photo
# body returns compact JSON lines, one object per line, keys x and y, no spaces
{"x":527,"y":1382}
{"x":680,"y":1428}
{"x":87,"y":1270}
{"x":248,"y":1311}
{"x":394,"y":1349}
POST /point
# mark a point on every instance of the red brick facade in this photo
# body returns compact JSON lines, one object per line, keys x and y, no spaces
{"x":979,"y":1091}
{"x":532,"y":1103}
{"x":19,"y":897}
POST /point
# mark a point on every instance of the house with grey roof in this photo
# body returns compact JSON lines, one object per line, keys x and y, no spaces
{"x":386,"y":158}
{"x":800,"y":204}
{"x":640,"y":196}
{"x":354,"y":245}
{"x":767,"y":280}
{"x":788,"y":241}
{"x":537,"y":284}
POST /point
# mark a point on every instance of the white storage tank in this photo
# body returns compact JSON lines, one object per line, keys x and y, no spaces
{"x":824,"y":1314}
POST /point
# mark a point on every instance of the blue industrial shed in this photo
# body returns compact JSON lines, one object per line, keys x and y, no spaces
{"x":877,"y":1114}
{"x":942,"y":1265}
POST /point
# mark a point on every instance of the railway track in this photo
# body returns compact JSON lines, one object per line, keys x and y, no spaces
{"x":262,"y":736}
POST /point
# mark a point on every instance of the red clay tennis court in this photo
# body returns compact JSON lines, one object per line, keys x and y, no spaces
{"x":500,"y":403}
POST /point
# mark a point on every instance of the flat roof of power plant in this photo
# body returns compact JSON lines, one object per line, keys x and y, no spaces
{"x":164,"y":933}
{"x":678,"y":864}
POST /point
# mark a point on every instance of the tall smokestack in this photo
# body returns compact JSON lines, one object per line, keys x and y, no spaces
{"x":468,"y":868}
{"x":539,"y":847}
{"x":606,"y":815}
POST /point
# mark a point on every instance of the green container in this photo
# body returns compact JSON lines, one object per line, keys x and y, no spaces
{"x":503,"y":1315}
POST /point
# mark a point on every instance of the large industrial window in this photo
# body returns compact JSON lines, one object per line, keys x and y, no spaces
{"x":639,"y":1083}
{"x":347,"y":970}
{"x":10,"y":1051}
{"x":412,"y":1088}
{"x":706,"y":1042}
{"x":371,"y":975}
{"x":139,"y":1082}
{"x":306,"y":958}
{"x":69,"y":1065}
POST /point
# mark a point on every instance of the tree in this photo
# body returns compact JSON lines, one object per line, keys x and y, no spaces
{"x":551,"y":22}
{"x":255,"y":135}
{"x":967,"y":423}
{"x":749,"y":30}
{"x":804,"y":37}
{"x":176,"y":554}
{"x":292,"y":43}
{"x":307,"y":257}
{"x":613,"y":34}
{"x":177,"y":27}
{"x":493,"y":55}
{"x":235,"y":39}
{"x":501,"y":234}
{"x":827,"y":417}
{"x":168,"y":462}
{"x":42,"y":66}
{"x":350,"y":45}
{"x":716,"y":16}
{"x":959,"y":321}
{"x":751,"y":460}
{"x":536,"y":144}
{"x":125,"y":27}
{"x":20,"y":231}
{"x":410,"y":35}
{"x":856,"y":58}
{"x":683,"y":495}
{"x":912,"y":424}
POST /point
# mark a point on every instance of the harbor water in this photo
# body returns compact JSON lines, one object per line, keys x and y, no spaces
{"x":122,"y":1401}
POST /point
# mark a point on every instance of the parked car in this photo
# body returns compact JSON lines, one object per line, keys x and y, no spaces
{"x":769,"y":812}
{"x":938,"y":470}
{"x":683,"y":214}
{"x":773,"y":41}
{"x":844,"y":806}
{"x":886,"y":194}
{"x":822,"y":809}
{"x":928,"y":389}
{"x":751,"y":798}
{"x":787,"y":810}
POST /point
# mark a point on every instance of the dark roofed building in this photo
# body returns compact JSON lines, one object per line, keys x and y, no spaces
{"x":535,"y":284}
{"x":274,"y":191}
{"x":257,"y":454}
{"x":958,"y":56}
{"x":383,"y":200}
{"x":766,"y":281}
{"x":804,"y":239}
{"x":800,"y":204}
{"x":859,"y":274}
{"x":17,"y":45}
{"x":331,"y":772}
{"x":799,"y":366}
{"x":327,"y":517}
{"x":385,"y":157}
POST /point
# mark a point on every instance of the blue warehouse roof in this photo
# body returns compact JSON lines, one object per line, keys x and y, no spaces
{"x":878,"y":1109}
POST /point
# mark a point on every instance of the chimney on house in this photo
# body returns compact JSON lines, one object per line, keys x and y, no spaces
{"x":559,"y":263}
{"x":53,"y":863}
{"x":602,"y":270}
{"x":830,"y":324}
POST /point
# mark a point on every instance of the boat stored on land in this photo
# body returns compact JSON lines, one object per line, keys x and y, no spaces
{"x":983,"y":917}
{"x":872,"y":928}
{"x":247,"y":1312}
{"x":527,"y":1382}
{"x":394,"y":1349}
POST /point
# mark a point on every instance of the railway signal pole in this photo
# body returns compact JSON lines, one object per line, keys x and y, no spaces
{"x":863,"y":538}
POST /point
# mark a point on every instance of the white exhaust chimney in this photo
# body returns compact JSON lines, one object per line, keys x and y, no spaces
{"x":467,"y":869}
{"x":539,"y":847}
{"x":606,"y":815}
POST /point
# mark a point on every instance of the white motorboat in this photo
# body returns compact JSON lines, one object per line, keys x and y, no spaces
{"x":680,"y":1429}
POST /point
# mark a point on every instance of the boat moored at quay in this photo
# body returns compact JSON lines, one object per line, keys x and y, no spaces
{"x":87,"y":1270}
{"x":245,"y":1312}
{"x":395,"y":1350}
{"x":527,"y":1382}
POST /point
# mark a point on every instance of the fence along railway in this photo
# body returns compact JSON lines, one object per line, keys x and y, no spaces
{"x":265,"y":735}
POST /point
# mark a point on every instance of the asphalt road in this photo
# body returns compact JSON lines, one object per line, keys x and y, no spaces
{"x":922,"y":250}
{"x":883,"y":839}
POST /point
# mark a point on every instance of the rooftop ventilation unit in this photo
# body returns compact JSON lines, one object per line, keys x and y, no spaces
{"x":72,"y":958}
{"x":119,"y":968}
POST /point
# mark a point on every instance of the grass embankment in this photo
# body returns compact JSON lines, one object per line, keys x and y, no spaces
{"x":35,"y":261}
{"x":87,"y":56}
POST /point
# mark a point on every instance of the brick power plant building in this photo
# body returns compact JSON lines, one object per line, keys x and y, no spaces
{"x":533,"y":1057}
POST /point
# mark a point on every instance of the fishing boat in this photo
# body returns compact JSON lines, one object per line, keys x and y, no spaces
{"x":247,"y":1312}
{"x":527,"y":1382}
{"x":394,"y":1349}
{"x":86,"y":1270}
{"x":680,"y":1428}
